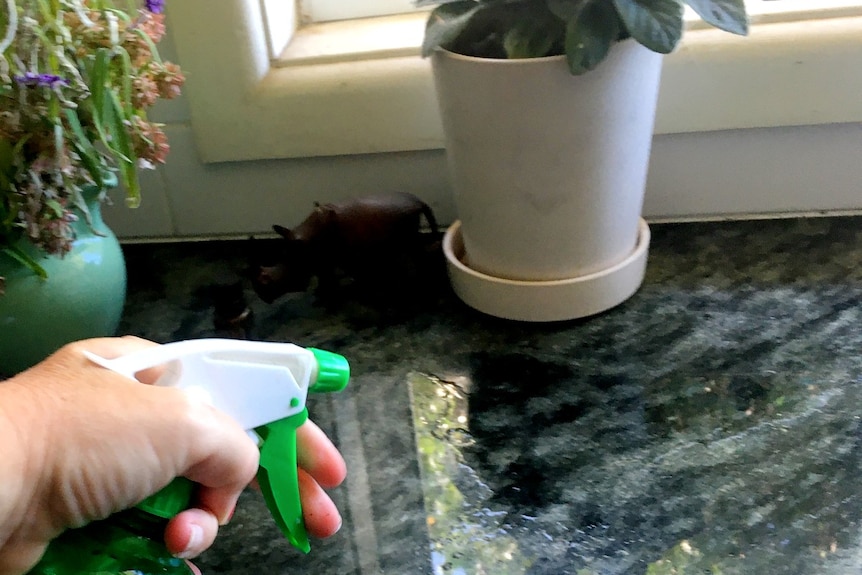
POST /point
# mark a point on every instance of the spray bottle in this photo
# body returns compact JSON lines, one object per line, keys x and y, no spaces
{"x":263,"y":385}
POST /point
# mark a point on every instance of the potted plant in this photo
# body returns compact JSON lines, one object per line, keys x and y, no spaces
{"x":77,"y":78}
{"x":548,"y":110}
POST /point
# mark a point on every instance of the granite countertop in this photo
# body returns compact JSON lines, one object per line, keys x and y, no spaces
{"x":710,"y":424}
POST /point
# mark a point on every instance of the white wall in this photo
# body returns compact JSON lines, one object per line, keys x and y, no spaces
{"x":755,"y":172}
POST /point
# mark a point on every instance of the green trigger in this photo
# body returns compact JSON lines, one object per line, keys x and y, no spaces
{"x":278,"y":479}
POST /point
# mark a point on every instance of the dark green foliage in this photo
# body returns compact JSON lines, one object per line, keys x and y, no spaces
{"x":583,"y":30}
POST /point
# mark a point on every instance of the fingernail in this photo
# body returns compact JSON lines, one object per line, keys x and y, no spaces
{"x":227,"y":519}
{"x":193,"y":547}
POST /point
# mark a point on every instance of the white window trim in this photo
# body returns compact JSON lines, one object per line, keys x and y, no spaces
{"x":354,"y":40}
{"x":330,"y":10}
{"x":278,"y":35}
{"x":244,"y":108}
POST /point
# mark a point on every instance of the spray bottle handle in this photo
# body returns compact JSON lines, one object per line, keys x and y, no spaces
{"x":278,"y":477}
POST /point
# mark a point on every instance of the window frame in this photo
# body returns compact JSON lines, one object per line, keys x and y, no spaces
{"x":246,"y":108}
{"x":329,"y":10}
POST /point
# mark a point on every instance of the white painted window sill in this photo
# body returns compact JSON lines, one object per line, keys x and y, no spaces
{"x":354,"y":40}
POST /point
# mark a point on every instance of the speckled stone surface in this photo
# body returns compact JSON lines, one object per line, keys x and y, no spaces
{"x":710,"y":424}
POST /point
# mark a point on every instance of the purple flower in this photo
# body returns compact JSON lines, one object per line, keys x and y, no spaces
{"x":33,"y":79}
{"x":155,"y":6}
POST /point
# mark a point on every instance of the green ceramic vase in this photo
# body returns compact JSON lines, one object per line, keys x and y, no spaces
{"x":82,"y":297}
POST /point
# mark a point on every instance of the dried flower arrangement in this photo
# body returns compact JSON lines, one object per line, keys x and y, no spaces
{"x":77,"y":78}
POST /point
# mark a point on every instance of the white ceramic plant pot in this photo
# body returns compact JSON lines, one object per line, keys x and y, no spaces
{"x":548,"y":169}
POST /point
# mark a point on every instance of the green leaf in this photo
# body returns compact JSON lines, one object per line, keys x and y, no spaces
{"x":727,"y":15}
{"x":17,"y":151}
{"x":56,"y":207}
{"x":84,"y":148}
{"x":446,"y":22}
{"x":96,"y":101}
{"x":121,"y":145}
{"x":126,"y":62}
{"x":657,"y":24}
{"x":590,"y":35}
{"x":119,"y":141}
{"x":99,"y":77}
{"x":566,"y":10}
{"x":16,"y":254}
{"x":7,"y":158}
{"x":530,"y":37}
{"x":145,"y":38}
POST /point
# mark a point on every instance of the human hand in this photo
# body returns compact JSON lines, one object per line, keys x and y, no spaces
{"x":84,"y":442}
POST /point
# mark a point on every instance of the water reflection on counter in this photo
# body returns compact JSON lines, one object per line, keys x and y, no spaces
{"x":778,"y":497}
{"x":467,"y":536}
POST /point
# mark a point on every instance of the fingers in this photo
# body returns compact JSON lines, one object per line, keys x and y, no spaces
{"x":321,"y":516}
{"x":320,"y":466}
{"x":190,"y":533}
{"x":20,"y":557}
{"x":227,"y":464}
{"x":317,"y":455}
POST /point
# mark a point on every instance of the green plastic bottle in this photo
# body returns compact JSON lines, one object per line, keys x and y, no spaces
{"x":128,"y":543}
{"x":132,"y":542}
